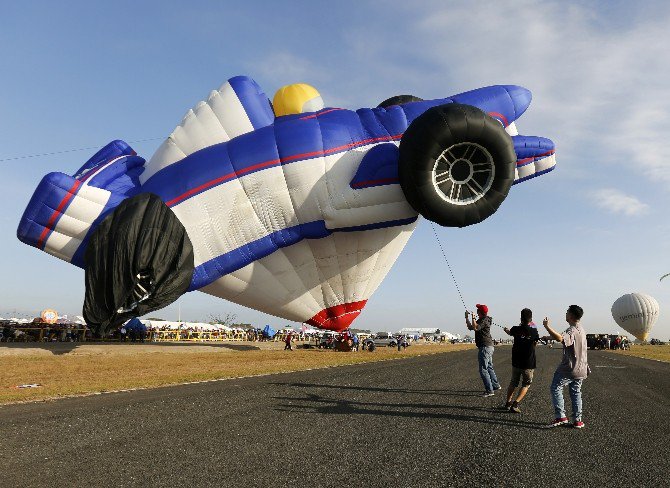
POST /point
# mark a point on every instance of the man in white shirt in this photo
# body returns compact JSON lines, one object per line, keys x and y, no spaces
{"x":573,"y":369}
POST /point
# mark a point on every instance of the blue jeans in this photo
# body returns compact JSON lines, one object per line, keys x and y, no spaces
{"x":486,"y":368}
{"x":559,"y":382}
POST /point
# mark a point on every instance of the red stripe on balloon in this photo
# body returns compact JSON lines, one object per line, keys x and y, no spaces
{"x":500,"y":116}
{"x":59,"y":210}
{"x":318,"y":114}
{"x":525,"y":160}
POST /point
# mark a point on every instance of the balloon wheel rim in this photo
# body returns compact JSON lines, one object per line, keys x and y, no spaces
{"x":463,"y":173}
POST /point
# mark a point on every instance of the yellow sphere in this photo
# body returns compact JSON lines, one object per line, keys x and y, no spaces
{"x":297,"y":98}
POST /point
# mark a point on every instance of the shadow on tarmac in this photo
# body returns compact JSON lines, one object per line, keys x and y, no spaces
{"x":462,"y":393}
{"x":316,"y":404}
{"x":61,"y":348}
{"x":56,"y":348}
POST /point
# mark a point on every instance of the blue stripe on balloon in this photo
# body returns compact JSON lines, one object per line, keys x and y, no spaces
{"x":378,"y":225}
{"x":231,"y":261}
{"x":224,"y":264}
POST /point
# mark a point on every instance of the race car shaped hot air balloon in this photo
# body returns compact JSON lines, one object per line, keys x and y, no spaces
{"x":300,"y":216}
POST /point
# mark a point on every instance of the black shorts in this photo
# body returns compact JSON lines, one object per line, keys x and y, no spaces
{"x":521,"y":374}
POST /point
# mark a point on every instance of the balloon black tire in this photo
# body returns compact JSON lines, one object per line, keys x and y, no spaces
{"x":433,"y":132}
{"x":399,"y":100}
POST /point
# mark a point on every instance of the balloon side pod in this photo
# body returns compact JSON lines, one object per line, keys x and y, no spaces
{"x":456,"y":165}
{"x":139,"y":259}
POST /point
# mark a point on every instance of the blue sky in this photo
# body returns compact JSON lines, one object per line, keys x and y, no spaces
{"x":78,"y":75}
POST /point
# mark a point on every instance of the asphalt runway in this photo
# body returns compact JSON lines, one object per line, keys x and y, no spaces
{"x":413,"y":423}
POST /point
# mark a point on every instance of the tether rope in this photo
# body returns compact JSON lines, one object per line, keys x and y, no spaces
{"x":451,"y":271}
{"x":90,"y":148}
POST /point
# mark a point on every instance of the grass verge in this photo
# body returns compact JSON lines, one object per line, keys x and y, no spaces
{"x":77,"y":374}
{"x":659,"y":353}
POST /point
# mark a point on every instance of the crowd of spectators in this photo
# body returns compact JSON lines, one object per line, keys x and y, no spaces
{"x":197,"y":333}
{"x":607,"y":341}
{"x":43,"y":332}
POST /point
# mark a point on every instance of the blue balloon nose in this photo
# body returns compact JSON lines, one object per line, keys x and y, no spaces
{"x":521,"y":98}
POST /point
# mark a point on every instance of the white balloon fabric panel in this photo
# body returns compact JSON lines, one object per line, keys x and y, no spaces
{"x":239,"y":106}
{"x":636,"y":313}
{"x":325,"y":282}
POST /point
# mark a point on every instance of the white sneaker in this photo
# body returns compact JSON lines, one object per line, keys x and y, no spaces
{"x":487,"y":394}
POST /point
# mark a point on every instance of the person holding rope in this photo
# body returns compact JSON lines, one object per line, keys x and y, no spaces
{"x":484,"y":342}
{"x":523,"y":359}
{"x":572,"y":371}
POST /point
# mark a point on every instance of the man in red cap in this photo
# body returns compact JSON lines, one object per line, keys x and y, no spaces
{"x":484,"y":341}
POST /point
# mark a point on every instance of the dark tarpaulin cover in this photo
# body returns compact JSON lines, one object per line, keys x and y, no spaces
{"x":142,"y":235}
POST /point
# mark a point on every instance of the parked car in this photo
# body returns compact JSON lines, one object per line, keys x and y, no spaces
{"x":327,"y":340}
{"x":380,"y":339}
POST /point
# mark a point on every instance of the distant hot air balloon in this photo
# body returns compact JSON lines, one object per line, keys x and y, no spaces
{"x":637,"y":313}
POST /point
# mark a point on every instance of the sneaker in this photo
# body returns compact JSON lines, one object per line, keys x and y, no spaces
{"x":557,"y":422}
{"x":578,"y":424}
{"x":514,"y":408}
{"x":505,"y":406}
{"x":497,"y":388}
{"x":487,"y":394}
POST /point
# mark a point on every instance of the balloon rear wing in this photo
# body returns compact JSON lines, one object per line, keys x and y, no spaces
{"x":61,"y":215}
{"x":65,"y":210}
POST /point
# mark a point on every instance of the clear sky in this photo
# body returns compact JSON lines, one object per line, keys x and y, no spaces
{"x":78,"y":74}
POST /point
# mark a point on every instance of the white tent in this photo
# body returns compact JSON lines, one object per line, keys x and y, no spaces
{"x":419,"y":331}
{"x":21,"y":321}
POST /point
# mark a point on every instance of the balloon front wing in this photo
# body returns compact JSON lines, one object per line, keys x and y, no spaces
{"x":299,"y":216}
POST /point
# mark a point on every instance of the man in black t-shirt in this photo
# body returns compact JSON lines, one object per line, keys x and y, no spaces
{"x":523,"y":359}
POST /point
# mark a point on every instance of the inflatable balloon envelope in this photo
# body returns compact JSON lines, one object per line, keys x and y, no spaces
{"x":300,"y":216}
{"x":636,"y":313}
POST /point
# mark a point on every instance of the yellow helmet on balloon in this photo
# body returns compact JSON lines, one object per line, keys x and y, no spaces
{"x":297,"y":98}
